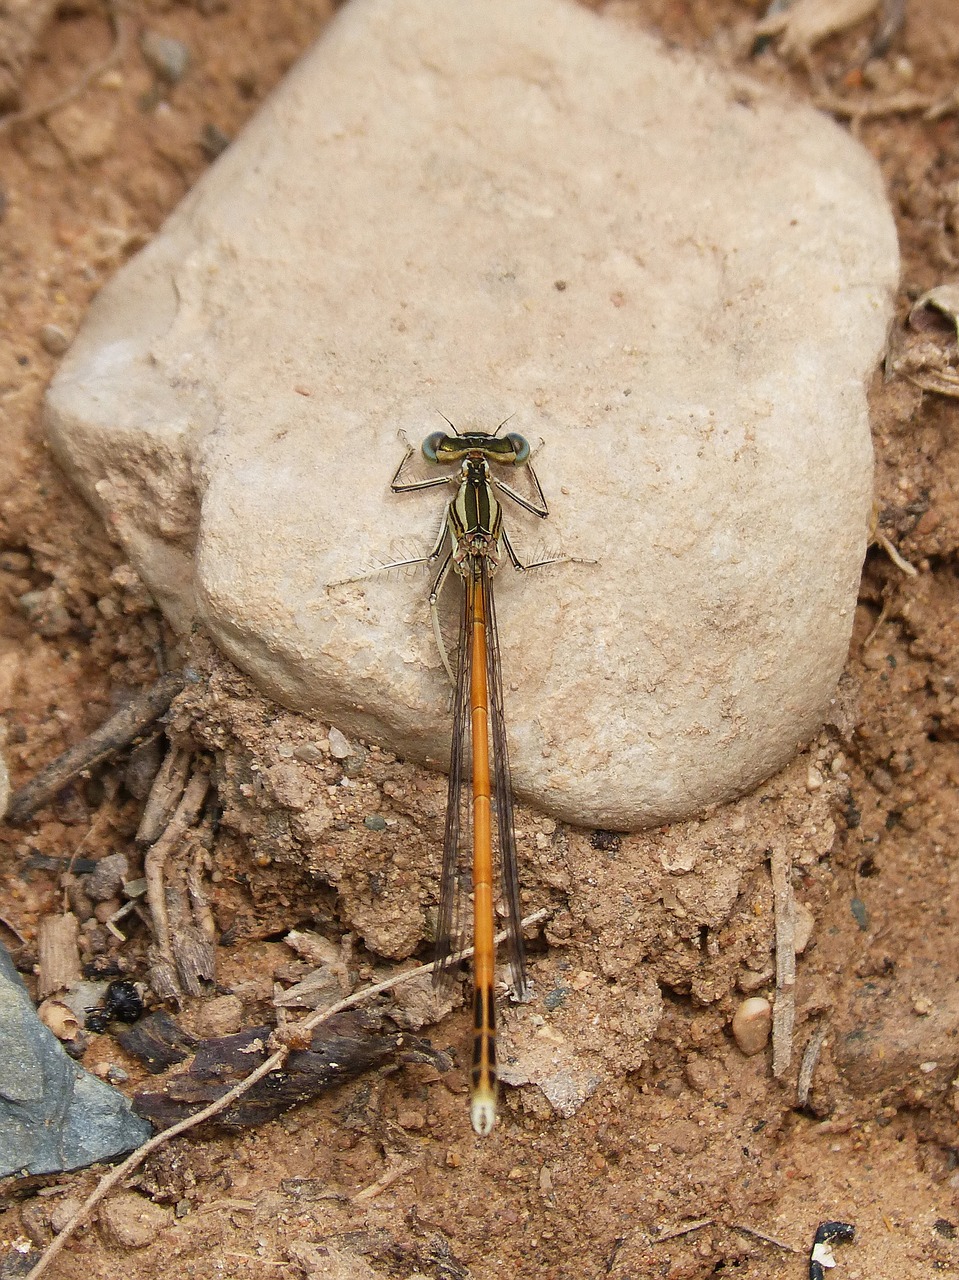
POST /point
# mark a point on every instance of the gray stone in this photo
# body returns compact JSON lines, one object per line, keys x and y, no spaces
{"x":676,"y":279}
{"x":53,"y":1114}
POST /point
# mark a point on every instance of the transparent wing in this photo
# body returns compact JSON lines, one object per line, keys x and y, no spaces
{"x":453,"y":924}
{"x":503,"y":796}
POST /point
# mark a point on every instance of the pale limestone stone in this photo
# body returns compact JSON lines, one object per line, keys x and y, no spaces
{"x":752,"y":1025}
{"x":678,"y":281}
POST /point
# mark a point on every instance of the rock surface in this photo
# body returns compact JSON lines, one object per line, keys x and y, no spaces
{"x":53,"y":1114}
{"x":678,"y":281}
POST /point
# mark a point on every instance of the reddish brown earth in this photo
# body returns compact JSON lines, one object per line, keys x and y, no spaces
{"x":383,"y":1173}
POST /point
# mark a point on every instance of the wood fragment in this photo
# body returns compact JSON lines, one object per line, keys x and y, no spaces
{"x":165,"y":794}
{"x":201,"y":840}
{"x":154,"y":866}
{"x":116,"y":733}
{"x":385,"y":1180}
{"x":193,"y":954}
{"x":158,"y":1041}
{"x":784,"y":1010}
{"x":58,"y":953}
{"x":340,"y":1050}
{"x":766,"y":1239}
{"x":807,"y":1068}
{"x":686,"y":1229}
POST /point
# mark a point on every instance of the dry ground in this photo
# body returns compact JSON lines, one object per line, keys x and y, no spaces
{"x":383,"y":1171}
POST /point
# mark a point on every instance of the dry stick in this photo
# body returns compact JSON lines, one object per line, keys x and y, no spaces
{"x":784,"y":1010}
{"x":273,"y":1063}
{"x":29,"y":114}
{"x":685,"y":1230}
{"x":807,"y":1068}
{"x":165,"y":794}
{"x":187,"y":812}
{"x":761,"y":1235}
{"x":116,"y":733}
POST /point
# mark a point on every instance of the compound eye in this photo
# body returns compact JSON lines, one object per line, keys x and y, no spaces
{"x":432,"y":444}
{"x":520,"y":446}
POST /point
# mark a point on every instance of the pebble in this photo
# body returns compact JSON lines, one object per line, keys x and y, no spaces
{"x":165,"y":55}
{"x":803,"y":930}
{"x":129,"y":1221}
{"x":46,"y":612}
{"x":54,"y":340}
{"x":340,"y":747}
{"x":106,"y":879}
{"x":728,"y":262}
{"x":752,"y":1025}
{"x":220,"y":1016}
{"x":84,"y":133}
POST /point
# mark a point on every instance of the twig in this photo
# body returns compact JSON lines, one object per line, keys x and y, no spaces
{"x":273,"y":1063}
{"x":897,"y":104}
{"x":115,"y":734}
{"x":165,"y":794}
{"x":385,"y":1180}
{"x":807,"y":1068}
{"x":892,"y":551}
{"x":761,"y":1235}
{"x":29,"y":114}
{"x":187,"y":812}
{"x":784,"y":1010}
{"x":687,"y":1229}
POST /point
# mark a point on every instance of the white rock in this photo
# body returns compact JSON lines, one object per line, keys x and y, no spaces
{"x":677,"y":280}
{"x":752,"y":1025}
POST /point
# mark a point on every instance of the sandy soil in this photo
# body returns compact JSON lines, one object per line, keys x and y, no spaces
{"x":382,"y":1176}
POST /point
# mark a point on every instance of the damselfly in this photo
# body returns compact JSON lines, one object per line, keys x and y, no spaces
{"x":471,"y":544}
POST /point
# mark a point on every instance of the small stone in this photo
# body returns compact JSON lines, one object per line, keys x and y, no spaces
{"x":106,"y":880}
{"x":86,"y":135}
{"x":703,"y":1074}
{"x":107,"y":909}
{"x":752,"y":979}
{"x":308,"y":753}
{"x":339,"y":745}
{"x":752,"y":1025}
{"x":46,"y":612}
{"x":54,"y":340}
{"x":165,"y":55}
{"x":411,"y":1119}
{"x":214,"y":142}
{"x":805,"y":923}
{"x":61,"y":1211}
{"x":130,"y":1221}
{"x":220,"y":1016}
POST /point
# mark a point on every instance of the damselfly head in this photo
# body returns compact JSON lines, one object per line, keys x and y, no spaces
{"x":509,"y":450}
